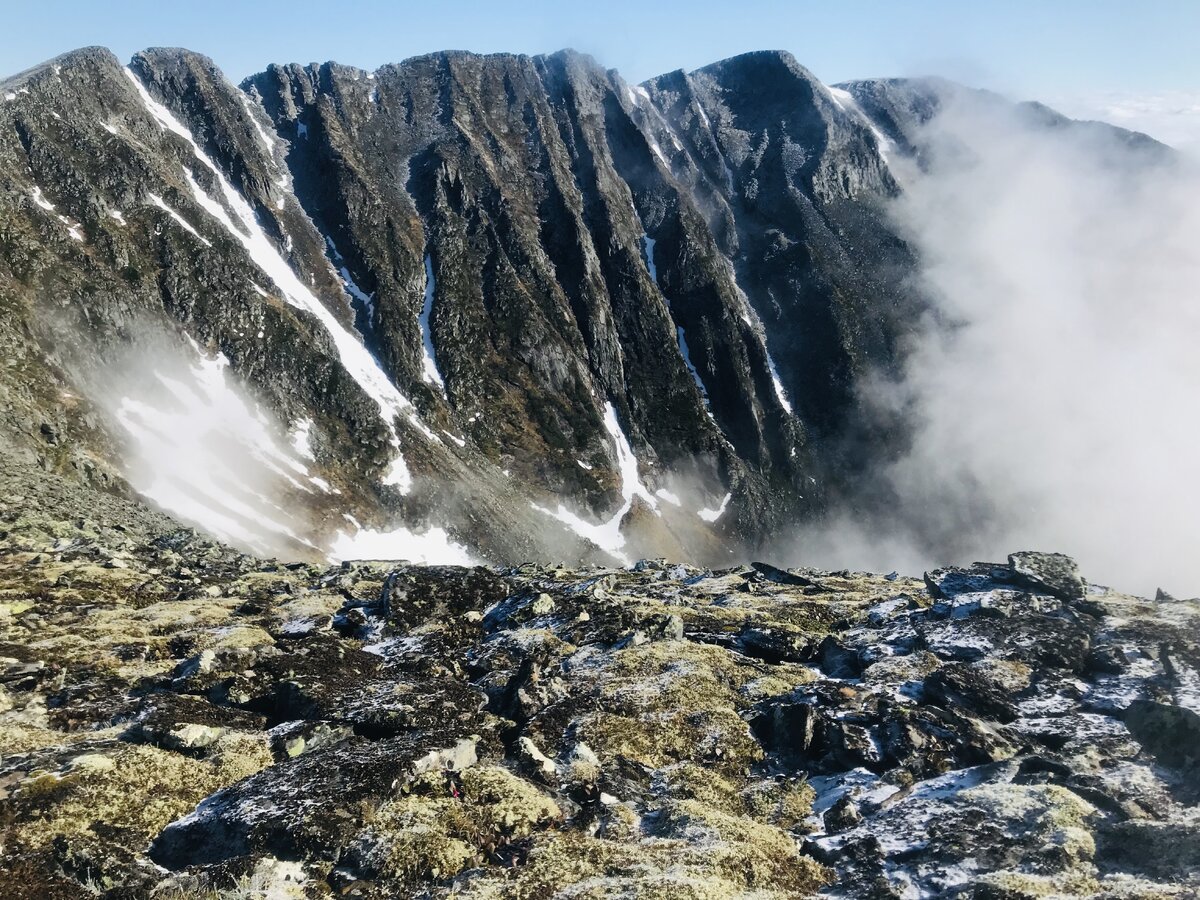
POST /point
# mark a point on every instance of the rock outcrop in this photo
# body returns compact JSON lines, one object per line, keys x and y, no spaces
{"x":178,"y":719}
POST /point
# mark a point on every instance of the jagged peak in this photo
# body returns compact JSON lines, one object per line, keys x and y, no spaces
{"x":84,"y":56}
{"x":755,"y":61}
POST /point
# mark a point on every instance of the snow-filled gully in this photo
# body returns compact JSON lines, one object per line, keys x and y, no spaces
{"x":355,"y":357}
{"x":434,"y":545}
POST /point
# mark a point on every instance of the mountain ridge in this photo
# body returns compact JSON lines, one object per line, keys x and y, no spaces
{"x":545,"y":264}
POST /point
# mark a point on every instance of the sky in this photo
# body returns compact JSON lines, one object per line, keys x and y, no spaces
{"x":1136,"y":64}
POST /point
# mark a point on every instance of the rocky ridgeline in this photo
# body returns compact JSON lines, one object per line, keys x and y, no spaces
{"x":180,"y":720}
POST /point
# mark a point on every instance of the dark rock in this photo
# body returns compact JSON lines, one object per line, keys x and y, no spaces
{"x":306,"y":806}
{"x":842,"y":815}
{"x":1053,"y":573}
{"x":1171,"y":733}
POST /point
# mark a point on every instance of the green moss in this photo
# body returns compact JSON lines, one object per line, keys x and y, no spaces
{"x":144,"y":790}
{"x":441,"y":826}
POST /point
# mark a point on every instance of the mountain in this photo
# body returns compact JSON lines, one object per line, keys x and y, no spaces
{"x":544,"y":291}
{"x":462,"y":307}
{"x":511,"y":310}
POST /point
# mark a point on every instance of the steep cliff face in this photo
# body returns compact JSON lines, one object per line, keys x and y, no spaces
{"x":513,"y":296}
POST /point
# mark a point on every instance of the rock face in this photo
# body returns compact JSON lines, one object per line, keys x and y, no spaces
{"x":511,"y":273}
{"x":179,"y":719}
{"x":517,"y":298}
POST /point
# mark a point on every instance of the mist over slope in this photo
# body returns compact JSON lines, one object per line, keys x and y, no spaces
{"x":506,"y":308}
{"x":1053,"y":385}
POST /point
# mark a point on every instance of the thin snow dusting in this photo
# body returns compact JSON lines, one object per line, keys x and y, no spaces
{"x":302,"y":130}
{"x":429,"y":368}
{"x":356,"y":359}
{"x":711,"y":515}
{"x":162,"y":204}
{"x":607,"y":535}
{"x":432,"y":547}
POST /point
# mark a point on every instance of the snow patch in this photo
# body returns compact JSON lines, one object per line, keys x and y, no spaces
{"x":672,"y":498}
{"x":301,"y":438}
{"x":41,"y":201}
{"x":431,"y":547}
{"x":267,"y":143}
{"x":778,"y":385}
{"x":162,"y":204}
{"x":607,"y":535}
{"x":648,"y":246}
{"x":711,"y":515}
{"x":687,"y":361}
{"x":429,"y":368}
{"x":845,"y":101}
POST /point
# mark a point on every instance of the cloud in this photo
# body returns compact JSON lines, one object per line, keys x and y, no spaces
{"x":1172,"y":117}
{"x":1053,"y":391}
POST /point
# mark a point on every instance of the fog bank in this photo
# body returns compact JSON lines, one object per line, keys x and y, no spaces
{"x":1055,"y":394}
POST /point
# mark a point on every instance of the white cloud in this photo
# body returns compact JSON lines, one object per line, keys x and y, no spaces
{"x":1057,"y":411}
{"x":1172,"y":117}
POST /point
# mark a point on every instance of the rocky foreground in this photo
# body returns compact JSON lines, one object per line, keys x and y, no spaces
{"x":180,"y":720}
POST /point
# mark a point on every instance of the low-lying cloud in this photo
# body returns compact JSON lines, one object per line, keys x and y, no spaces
{"x":1055,"y":394}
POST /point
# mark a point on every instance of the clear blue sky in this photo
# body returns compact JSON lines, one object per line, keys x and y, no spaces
{"x":1047,"y":48}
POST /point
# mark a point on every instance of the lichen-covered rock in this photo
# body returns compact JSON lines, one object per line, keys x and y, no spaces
{"x":524,"y":733}
{"x":1052,"y":572}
